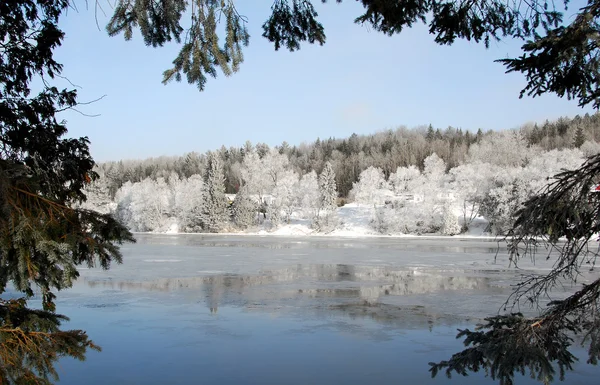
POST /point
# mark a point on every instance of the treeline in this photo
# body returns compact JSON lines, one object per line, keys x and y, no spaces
{"x":385,"y":150}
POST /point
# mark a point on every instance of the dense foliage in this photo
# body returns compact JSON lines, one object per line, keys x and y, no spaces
{"x":43,"y":236}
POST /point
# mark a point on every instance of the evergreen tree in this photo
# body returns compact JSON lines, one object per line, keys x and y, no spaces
{"x":215,"y":212}
{"x":244,"y":209}
{"x":479,"y":135}
{"x":430,"y":134}
{"x":44,"y":232}
{"x":579,"y":138}
{"x":326,"y":219}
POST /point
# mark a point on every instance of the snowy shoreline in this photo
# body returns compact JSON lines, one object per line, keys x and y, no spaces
{"x":353,"y":221}
{"x":275,"y":234}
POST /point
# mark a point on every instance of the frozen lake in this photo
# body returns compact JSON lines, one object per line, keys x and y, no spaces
{"x":187,"y":309}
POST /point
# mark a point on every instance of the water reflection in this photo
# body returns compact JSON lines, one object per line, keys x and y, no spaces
{"x":356,"y":291}
{"x":354,"y":311}
{"x":436,"y":244}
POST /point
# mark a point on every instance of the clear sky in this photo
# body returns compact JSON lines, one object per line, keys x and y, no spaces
{"x":360,"y":81}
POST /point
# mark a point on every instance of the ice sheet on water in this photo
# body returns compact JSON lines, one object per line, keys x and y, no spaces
{"x":367,"y":310}
{"x":470,"y":278}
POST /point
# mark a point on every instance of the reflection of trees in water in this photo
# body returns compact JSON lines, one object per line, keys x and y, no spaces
{"x":436,"y":246}
{"x":318,"y":281}
{"x":404,"y":317}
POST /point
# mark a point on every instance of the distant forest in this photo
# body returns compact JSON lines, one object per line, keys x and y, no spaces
{"x":386,"y":150}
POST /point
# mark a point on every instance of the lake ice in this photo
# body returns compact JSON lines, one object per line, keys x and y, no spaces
{"x":186,"y":309}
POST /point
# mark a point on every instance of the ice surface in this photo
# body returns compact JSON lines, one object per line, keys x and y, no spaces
{"x":281,"y":309}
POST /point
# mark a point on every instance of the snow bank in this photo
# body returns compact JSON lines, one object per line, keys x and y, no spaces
{"x":353,"y":220}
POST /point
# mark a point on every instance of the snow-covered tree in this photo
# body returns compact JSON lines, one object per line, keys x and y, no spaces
{"x":450,"y":224}
{"x":144,"y":206}
{"x":550,"y":163}
{"x":307,"y":194}
{"x":123,"y":198}
{"x":434,"y":168}
{"x":404,"y":179}
{"x":188,"y":203}
{"x":254,"y":175}
{"x":384,"y":220}
{"x":371,"y":188}
{"x":326,"y":218}
{"x":215,"y":212}
{"x":283,"y":197}
{"x":244,"y":209}
{"x":260,"y":174}
{"x":590,"y":148}
{"x":503,"y":148}
{"x":275,"y":165}
{"x":98,"y":196}
{"x":471,"y":183}
{"x":499,"y":205}
{"x":425,"y":216}
{"x":417,"y":217}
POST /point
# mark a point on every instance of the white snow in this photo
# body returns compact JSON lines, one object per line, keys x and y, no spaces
{"x":353,"y":221}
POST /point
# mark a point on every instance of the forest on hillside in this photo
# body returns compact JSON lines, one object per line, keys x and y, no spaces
{"x":421,"y":180}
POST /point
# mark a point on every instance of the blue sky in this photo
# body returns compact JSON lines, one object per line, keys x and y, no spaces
{"x":360,"y":82}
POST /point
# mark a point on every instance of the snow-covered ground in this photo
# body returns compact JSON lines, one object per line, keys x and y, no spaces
{"x":353,"y":220}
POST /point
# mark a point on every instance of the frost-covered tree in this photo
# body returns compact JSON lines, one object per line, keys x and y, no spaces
{"x":98,"y":195}
{"x":470,"y":183}
{"x":450,"y":224}
{"x":244,"y":209}
{"x":254,"y":175}
{"x":215,"y":212}
{"x":260,"y":174}
{"x":122,"y":199}
{"x":546,"y":164}
{"x":326,"y":218}
{"x":188,"y":195}
{"x":275,"y":165}
{"x":404,"y":179}
{"x":434,"y":169}
{"x":515,"y":185}
{"x":371,"y":188}
{"x":283,"y":197}
{"x":590,"y":148}
{"x":307,"y":195}
{"x":425,"y":215}
{"x":384,"y":220}
{"x":499,"y":205}
{"x":144,"y":206}
{"x":417,"y":217}
{"x":504,"y":148}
